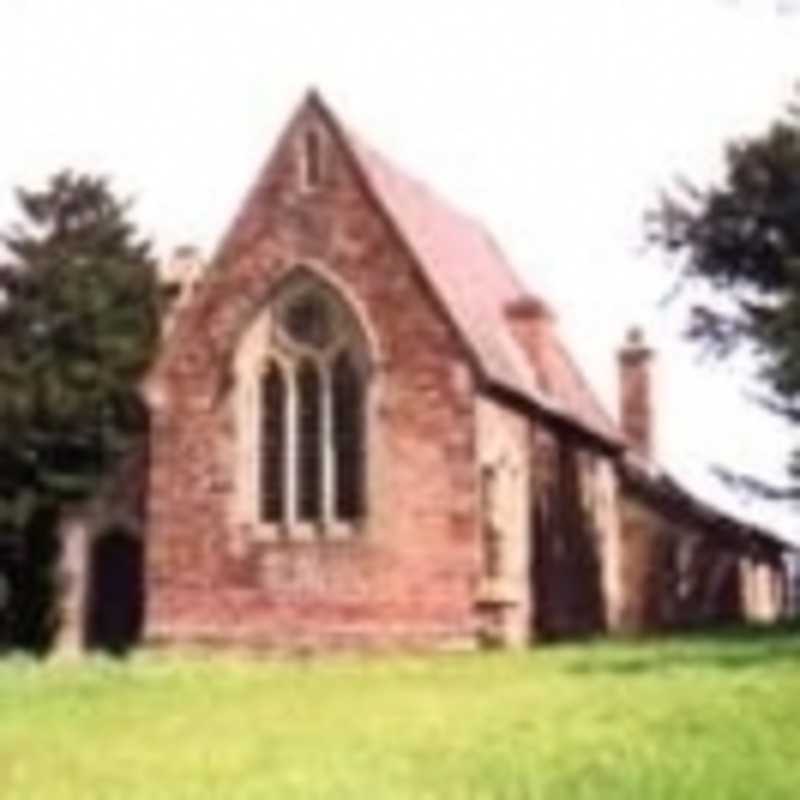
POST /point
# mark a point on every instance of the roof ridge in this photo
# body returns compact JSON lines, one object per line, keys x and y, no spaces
{"x":492,"y":280}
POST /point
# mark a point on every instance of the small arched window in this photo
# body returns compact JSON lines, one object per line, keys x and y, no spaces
{"x":313,"y":411}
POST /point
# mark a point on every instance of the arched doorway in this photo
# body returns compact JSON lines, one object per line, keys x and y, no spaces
{"x":115,"y":609}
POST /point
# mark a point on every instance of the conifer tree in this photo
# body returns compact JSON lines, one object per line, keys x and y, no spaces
{"x":78,"y":328}
{"x":740,"y":239}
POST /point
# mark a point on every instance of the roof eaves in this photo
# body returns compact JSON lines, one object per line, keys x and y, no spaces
{"x":655,"y":482}
{"x":543,"y":406}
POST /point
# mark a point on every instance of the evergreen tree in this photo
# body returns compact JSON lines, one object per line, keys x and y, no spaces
{"x":740,"y":238}
{"x":78,"y":328}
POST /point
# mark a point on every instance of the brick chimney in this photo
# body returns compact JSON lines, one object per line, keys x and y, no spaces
{"x":635,"y":393}
{"x":531,"y":321}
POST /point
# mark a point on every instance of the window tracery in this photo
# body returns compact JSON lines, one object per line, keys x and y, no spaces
{"x":309,"y":358}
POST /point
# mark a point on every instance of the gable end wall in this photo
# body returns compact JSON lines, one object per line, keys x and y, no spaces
{"x":410,"y":576}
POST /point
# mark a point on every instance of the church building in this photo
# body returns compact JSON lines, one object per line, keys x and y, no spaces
{"x":366,"y":432}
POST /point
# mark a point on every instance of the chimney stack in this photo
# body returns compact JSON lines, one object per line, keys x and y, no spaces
{"x":636,"y":408}
{"x":531,"y":321}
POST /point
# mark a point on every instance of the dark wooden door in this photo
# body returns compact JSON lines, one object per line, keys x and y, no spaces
{"x":116,"y":592}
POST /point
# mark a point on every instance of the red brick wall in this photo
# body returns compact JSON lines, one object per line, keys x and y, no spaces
{"x":411,"y":577}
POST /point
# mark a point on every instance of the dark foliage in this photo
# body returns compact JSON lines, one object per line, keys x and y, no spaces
{"x":740,"y":238}
{"x":33,"y":612}
{"x":78,"y":327}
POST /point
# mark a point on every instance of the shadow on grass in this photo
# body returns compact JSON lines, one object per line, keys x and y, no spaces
{"x":726,"y":648}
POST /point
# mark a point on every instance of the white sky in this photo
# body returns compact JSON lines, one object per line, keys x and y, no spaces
{"x":554,"y":122}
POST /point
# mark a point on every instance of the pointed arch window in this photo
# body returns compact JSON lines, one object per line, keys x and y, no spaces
{"x":312,"y":159}
{"x":273,"y":437}
{"x":312,"y":416}
{"x":348,"y":415}
{"x":309,"y":456}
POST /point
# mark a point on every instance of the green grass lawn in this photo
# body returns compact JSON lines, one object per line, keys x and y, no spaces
{"x":697,"y":717}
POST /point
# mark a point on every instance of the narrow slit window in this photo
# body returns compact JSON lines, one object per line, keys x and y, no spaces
{"x":309,"y":453}
{"x":273,"y":427}
{"x":491,"y":535}
{"x":348,"y":433}
{"x":312,"y":157}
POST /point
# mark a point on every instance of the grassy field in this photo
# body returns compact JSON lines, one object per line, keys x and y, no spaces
{"x":710,"y":718}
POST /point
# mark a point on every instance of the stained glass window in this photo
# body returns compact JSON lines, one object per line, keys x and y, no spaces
{"x":313,"y":412}
{"x":307,"y":321}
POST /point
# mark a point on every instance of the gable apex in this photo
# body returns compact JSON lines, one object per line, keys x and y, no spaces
{"x":465,"y":270}
{"x":235,"y":235}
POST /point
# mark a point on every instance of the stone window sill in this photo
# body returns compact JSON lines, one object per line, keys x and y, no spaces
{"x":315,"y":533}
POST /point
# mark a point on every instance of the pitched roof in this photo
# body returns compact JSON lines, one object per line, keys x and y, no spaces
{"x":476,"y":285}
{"x":652,"y":482}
